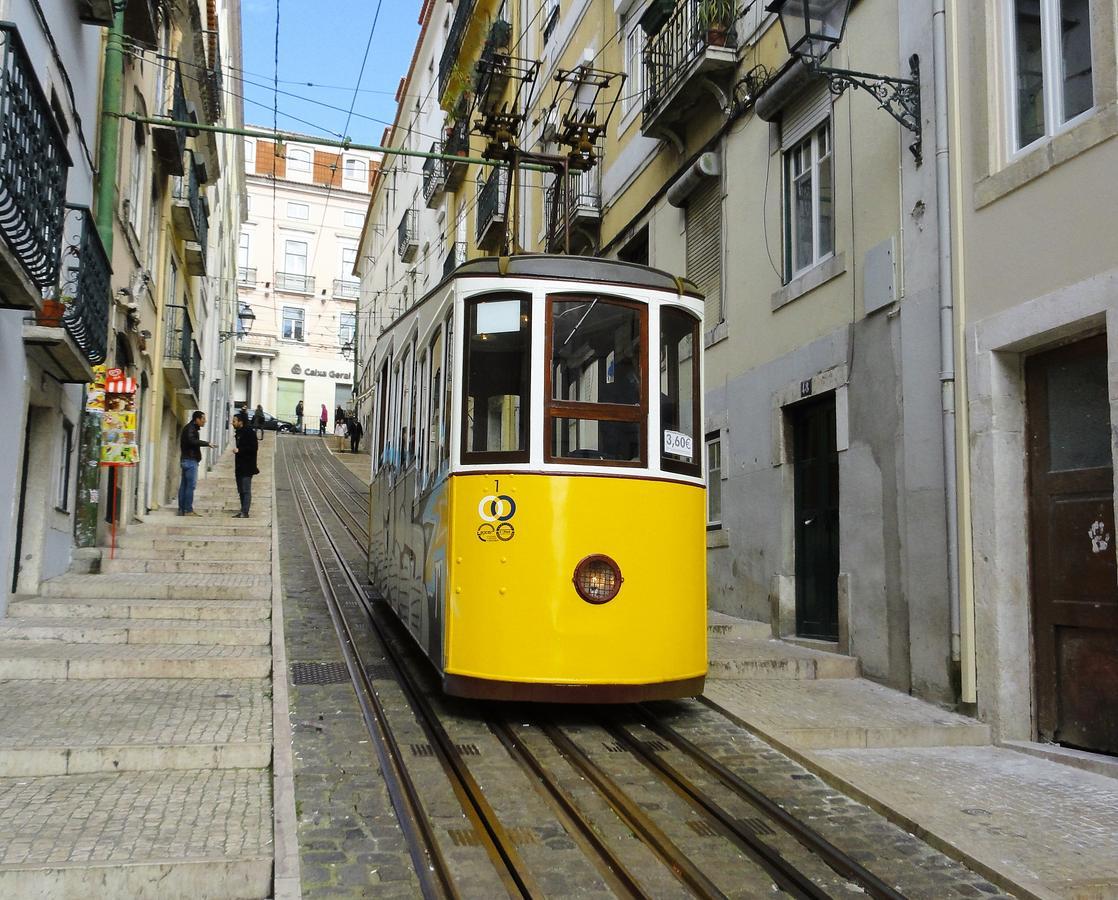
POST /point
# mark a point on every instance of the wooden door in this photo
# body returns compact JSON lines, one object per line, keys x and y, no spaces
{"x":1071,"y":531}
{"x":815,"y":456}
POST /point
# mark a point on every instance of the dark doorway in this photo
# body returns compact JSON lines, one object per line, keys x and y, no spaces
{"x":1071,"y":531}
{"x":815,"y":455}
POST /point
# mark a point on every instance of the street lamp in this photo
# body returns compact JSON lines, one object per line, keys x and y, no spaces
{"x":245,"y":318}
{"x":813,"y":28}
{"x":347,"y":350}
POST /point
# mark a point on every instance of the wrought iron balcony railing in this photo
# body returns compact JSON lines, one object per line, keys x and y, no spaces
{"x":407,"y":235}
{"x":246,"y":276}
{"x":346,"y":288}
{"x":85,"y":284}
{"x":195,"y":221}
{"x":434,"y":177}
{"x":170,"y":142}
{"x":449,"y":58}
{"x":670,"y":56}
{"x":33,"y":165}
{"x":454,"y":258}
{"x":215,"y":82}
{"x":179,"y":346}
{"x":292,"y":281}
{"x":491,"y":209}
{"x":580,"y":207}
{"x":457,"y":144}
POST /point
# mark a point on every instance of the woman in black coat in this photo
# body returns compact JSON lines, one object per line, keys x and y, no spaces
{"x":244,"y":463}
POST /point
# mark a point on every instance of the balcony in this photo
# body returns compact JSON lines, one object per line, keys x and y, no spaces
{"x":182,"y":361}
{"x":448,"y":62}
{"x":257,"y":344}
{"x":457,"y":144}
{"x":434,"y":178}
{"x":454,"y":258}
{"x":33,"y":168}
{"x":686,"y":63}
{"x":246,"y":276}
{"x":407,"y":236}
{"x":70,"y":347}
{"x":494,"y":69}
{"x":575,"y":228}
{"x":212,"y":76}
{"x":491,"y":210}
{"x":294,"y":283}
{"x":191,"y":215}
{"x":346,"y":289}
{"x":170,"y":142}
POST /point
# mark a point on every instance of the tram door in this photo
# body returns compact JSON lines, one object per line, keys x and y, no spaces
{"x":1071,"y":531}
{"x":815,"y":458}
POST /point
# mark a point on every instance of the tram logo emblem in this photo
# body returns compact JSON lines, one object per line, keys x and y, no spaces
{"x":496,"y":508}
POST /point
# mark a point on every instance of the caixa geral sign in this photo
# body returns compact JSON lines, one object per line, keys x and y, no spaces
{"x":320,"y":373}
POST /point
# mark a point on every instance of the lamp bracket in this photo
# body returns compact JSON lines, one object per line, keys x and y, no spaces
{"x":900,"y":97}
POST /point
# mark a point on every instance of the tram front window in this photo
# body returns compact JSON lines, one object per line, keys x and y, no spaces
{"x":597,"y":396}
{"x":498,"y":356}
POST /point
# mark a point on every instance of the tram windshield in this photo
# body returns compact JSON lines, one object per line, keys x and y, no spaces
{"x":597,"y":380}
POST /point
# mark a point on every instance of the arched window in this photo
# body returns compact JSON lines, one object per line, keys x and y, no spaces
{"x":355,"y":169}
{"x":298,"y":161}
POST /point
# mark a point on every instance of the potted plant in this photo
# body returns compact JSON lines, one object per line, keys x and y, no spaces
{"x":715,"y":18}
{"x":53,"y":310}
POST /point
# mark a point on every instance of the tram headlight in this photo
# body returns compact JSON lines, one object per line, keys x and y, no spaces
{"x":597,"y":579}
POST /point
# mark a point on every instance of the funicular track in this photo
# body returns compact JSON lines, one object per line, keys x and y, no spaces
{"x":818,"y":867}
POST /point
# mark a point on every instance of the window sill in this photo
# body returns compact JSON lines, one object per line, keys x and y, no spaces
{"x":825,"y":271}
{"x":1049,"y":153}
{"x":718,"y":538}
{"x":716,"y":335}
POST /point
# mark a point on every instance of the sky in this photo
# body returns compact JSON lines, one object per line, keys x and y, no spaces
{"x":323,"y":42}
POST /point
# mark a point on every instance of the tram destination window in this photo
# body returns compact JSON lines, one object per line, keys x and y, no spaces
{"x":679,"y":392}
{"x":498,"y":348}
{"x":598,"y":393}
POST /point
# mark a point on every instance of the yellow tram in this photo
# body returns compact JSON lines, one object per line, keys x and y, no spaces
{"x":537,"y":515}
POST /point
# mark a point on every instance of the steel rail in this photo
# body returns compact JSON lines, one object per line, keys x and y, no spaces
{"x":784,"y":873}
{"x":345,"y":503}
{"x":496,"y":841}
{"x":841,"y":862}
{"x":431,"y":868}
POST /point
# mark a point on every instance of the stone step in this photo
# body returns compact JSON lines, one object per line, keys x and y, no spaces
{"x":123,"y":564}
{"x":169,"y":586}
{"x":72,"y":727}
{"x":220,"y":515}
{"x":123,"y":608}
{"x":744,"y":658}
{"x":145,"y":538}
{"x":184,"y":834}
{"x":217,"y":551}
{"x":722,"y":625}
{"x":54,"y":660}
{"x":136,"y":631}
{"x":202,"y":528}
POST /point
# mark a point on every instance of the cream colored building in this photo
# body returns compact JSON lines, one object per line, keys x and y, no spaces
{"x":296,"y":255}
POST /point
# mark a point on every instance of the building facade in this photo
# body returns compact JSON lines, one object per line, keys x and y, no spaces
{"x":295,"y":269}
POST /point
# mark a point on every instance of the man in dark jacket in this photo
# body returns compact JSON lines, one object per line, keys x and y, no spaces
{"x":244,"y":463}
{"x":190,"y":455}
{"x":355,"y":433}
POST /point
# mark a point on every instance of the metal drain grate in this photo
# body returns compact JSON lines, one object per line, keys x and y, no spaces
{"x":464,"y":837}
{"x":467,"y":749}
{"x":319,"y":673}
{"x":615,"y":747}
{"x":422,"y":750}
{"x":702,"y":829}
{"x":757,"y":826}
{"x":803,"y":776}
{"x":521,"y":835}
{"x":656,"y":746}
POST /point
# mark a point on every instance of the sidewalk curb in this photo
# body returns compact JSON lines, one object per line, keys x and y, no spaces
{"x":898,"y":818}
{"x":286,"y":877}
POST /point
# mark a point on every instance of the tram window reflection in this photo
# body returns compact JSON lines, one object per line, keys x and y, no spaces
{"x":679,"y":374}
{"x":498,"y":359}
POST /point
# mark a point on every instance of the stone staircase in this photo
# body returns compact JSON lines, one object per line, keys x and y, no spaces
{"x":135,"y":713}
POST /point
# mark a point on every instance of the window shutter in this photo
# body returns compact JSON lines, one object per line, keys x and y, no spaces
{"x":800,"y":117}
{"x":704,"y":246}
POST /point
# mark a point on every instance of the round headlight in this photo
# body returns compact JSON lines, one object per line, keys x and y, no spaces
{"x":597,"y":579}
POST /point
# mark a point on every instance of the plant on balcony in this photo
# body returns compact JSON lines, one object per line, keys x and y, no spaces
{"x":716,"y":17}
{"x":499,"y":37}
{"x":52,"y":311}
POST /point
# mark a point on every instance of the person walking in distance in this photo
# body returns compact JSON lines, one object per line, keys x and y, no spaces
{"x":322,"y":420}
{"x":299,"y":416}
{"x":355,"y":432}
{"x":258,"y":422}
{"x":190,"y":456}
{"x":244,"y":462}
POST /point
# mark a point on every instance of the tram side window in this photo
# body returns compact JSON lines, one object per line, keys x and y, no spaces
{"x":434,"y":451}
{"x":498,"y":375}
{"x":597,"y":405}
{"x":421,"y":409}
{"x":382,"y":416}
{"x":679,"y":391}
{"x":448,"y":385}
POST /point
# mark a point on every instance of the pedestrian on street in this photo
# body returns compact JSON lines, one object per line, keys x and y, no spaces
{"x":258,"y":422}
{"x":355,"y":433}
{"x":299,"y":416}
{"x":322,"y":420}
{"x":244,"y":462}
{"x":339,"y":417}
{"x":190,"y":456}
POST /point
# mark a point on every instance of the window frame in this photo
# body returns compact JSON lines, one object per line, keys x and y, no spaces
{"x":360,"y":167}
{"x":791,"y":272}
{"x":301,"y":205}
{"x":351,"y":325}
{"x":288,"y":256}
{"x":482,"y":457}
{"x":633,"y":66}
{"x":710,"y":439}
{"x":591,"y":411}
{"x":65,"y":467}
{"x":676,"y":466}
{"x":347,"y":213}
{"x":1052,"y":81}
{"x":303,"y":156}
{"x":302,"y":321}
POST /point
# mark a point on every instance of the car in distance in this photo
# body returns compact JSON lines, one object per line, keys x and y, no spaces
{"x":271,"y":423}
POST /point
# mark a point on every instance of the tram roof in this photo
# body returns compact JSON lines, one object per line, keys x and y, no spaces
{"x":578,"y":268}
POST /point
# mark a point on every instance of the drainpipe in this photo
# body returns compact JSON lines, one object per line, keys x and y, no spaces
{"x":112,"y":84}
{"x":946,"y":317}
